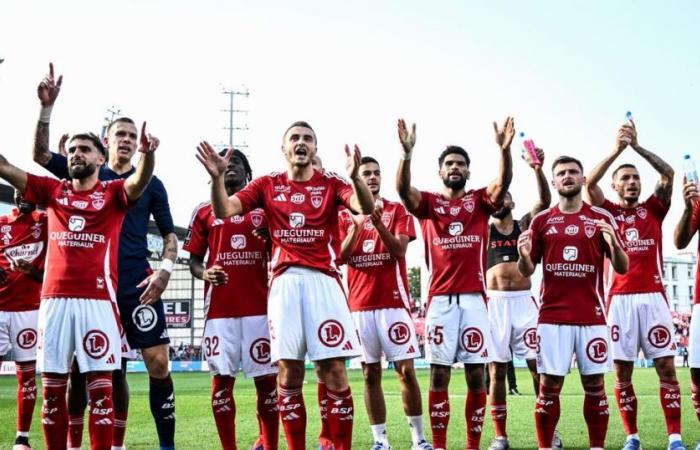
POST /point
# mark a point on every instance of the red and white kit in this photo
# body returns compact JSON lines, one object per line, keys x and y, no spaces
{"x":572,"y":250}
{"x":22,"y":236}
{"x":236,"y":333}
{"x":78,"y":312}
{"x":307,"y":308}
{"x":694,"y":339}
{"x":455,"y":233}
{"x":639,"y":316}
{"x":379,"y":295}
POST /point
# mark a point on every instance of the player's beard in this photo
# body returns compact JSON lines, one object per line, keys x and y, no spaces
{"x":455,"y":184}
{"x":502,"y":213}
{"x":570,"y":194}
{"x":81,"y":172}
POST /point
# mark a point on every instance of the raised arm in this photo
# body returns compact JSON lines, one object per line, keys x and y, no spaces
{"x":137,"y":182}
{"x":410,"y":196}
{"x":618,"y":257}
{"x":16,"y":177}
{"x":593,"y":191}
{"x":361,"y":200}
{"x":664,"y":187}
{"x":350,"y":240}
{"x":396,"y":244}
{"x":684,"y":231}
{"x":47,"y":91}
{"x":545,"y":196}
{"x":222,"y":205}
{"x":498,"y":188}
{"x":525,"y":265}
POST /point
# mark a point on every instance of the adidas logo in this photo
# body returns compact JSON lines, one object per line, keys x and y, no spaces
{"x":111,"y":360}
{"x":411,"y":349}
{"x":673,"y":404}
{"x":347,"y":346}
{"x":291,"y":416}
{"x":104,"y":421}
{"x":279,"y":198}
{"x":552,"y":230}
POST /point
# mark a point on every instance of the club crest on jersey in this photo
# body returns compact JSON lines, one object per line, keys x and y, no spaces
{"x":386,"y":219}
{"x":642,"y":213}
{"x":455,"y":228}
{"x":316,"y":201}
{"x":472,"y":340}
{"x":368,"y":246}
{"x":454,"y":210}
{"x":257,"y":220}
{"x":571,"y":230}
{"x":298,"y":198}
{"x":96,"y":344}
{"x":297,"y":220}
{"x":26,"y":338}
{"x":469,"y":205}
{"x":36,"y":230}
{"x":631,"y":234}
{"x":331,"y":333}
{"x":260,"y":351}
{"x":238,"y":241}
{"x":597,"y":350}
{"x":144,"y":317}
{"x":98,"y":200}
{"x":76,"y":223}
{"x":399,"y":333}
{"x":570,"y":253}
{"x":589,"y":230}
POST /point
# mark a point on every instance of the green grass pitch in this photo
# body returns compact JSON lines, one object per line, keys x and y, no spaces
{"x":196,"y":430}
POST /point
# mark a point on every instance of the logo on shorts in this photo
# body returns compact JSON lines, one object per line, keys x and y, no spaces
{"x":570,"y":253}
{"x":455,"y":228}
{"x":26,"y":338}
{"x":297,"y":220}
{"x":597,"y":350}
{"x":144,"y":317}
{"x":399,"y":333}
{"x":659,"y":336}
{"x":331,"y":333}
{"x":96,"y":344}
{"x":76,"y":223}
{"x":238,"y":241}
{"x":530,"y":338}
{"x":368,"y":246}
{"x":472,"y":340}
{"x":260,"y":351}
{"x":632,"y":234}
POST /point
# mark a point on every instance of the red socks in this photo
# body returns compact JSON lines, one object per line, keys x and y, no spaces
{"x":224,"y":409}
{"x":627,"y":403}
{"x":474,"y":414}
{"x":547,"y":412}
{"x":75,"y":430}
{"x":268,"y":415}
{"x":324,"y":436}
{"x":499,"y":414}
{"x":439,"y":407}
{"x":595,"y":411}
{"x":293,"y":415}
{"x":26,"y":394}
{"x":670,"y":395}
{"x":54,"y":410}
{"x":101,"y":425}
{"x":340,"y":418}
{"x":119,"y":432}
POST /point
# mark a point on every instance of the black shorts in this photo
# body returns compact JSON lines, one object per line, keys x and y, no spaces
{"x":144,"y":325}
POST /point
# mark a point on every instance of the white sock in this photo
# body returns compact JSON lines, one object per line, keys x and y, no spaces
{"x":674,"y":437}
{"x":23,"y":434}
{"x":633,"y":436}
{"x":415,"y":423}
{"x":379,"y":432}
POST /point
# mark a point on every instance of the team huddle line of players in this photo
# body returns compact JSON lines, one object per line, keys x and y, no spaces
{"x":284,"y":237}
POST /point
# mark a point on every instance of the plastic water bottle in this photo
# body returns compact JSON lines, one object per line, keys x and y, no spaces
{"x":628,"y":117}
{"x":691,"y":172}
{"x":528,"y":149}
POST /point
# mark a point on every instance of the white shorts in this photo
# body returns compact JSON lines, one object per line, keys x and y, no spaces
{"x":641,"y":321}
{"x":18,"y":331}
{"x":232,"y":343}
{"x":82,"y":326}
{"x":388,"y":330}
{"x":457,"y":330}
{"x":694,"y":339}
{"x":558,"y":343}
{"x":308,"y":313}
{"x":513,"y":320}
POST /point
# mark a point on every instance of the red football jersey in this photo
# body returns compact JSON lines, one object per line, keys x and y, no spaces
{"x":302,"y":217}
{"x":456,"y":234}
{"x":572,"y":250}
{"x":22,"y":236}
{"x":84,"y":228}
{"x":231,"y":245}
{"x":376,"y":279}
{"x":695,"y":225}
{"x":640,"y":228}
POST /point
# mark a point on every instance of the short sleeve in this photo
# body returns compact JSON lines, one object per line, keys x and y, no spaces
{"x":424,"y":205}
{"x":609,"y":206}
{"x":343,"y":190}
{"x":160,"y":207}
{"x":695,"y":217}
{"x":58,"y":166}
{"x":196,"y":241}
{"x":536,"y":236}
{"x":39,"y":189}
{"x":403,"y":223}
{"x":487,"y":205}
{"x":117,"y":188}
{"x":659,"y":208}
{"x":252,"y":196}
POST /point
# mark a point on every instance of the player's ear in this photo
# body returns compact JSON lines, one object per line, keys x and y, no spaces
{"x":468,"y":173}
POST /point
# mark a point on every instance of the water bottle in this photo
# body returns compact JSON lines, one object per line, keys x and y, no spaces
{"x":528,"y":150}
{"x":691,"y":173}
{"x":628,"y":117}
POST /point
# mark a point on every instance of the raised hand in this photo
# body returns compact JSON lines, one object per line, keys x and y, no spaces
{"x":62,"y":145}
{"x":211,"y":160}
{"x":352,"y":161}
{"x":624,"y":138}
{"x":504,"y":135}
{"x":377,"y":214}
{"x":147,"y":142}
{"x":408,"y":140}
{"x":540,"y":155}
{"x":48,"y":89}
{"x":690,"y":193}
{"x":525,"y":244}
{"x":631,"y":129}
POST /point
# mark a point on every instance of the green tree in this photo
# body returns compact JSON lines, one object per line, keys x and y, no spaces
{"x":414,"y":284}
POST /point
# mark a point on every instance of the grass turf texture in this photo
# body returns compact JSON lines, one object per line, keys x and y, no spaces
{"x":196,"y":430}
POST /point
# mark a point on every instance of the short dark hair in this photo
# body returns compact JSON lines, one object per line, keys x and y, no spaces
{"x":453,"y":150}
{"x":244,"y":159}
{"x":368,"y":160}
{"x":623,"y":166}
{"x":120,"y":120}
{"x":92,"y":137}
{"x":300,"y":123}
{"x":566,"y":160}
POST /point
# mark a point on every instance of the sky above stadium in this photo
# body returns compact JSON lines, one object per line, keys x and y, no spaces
{"x":567,"y":72}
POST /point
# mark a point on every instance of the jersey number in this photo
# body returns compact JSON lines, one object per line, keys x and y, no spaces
{"x":211,"y":346}
{"x":435,"y":336}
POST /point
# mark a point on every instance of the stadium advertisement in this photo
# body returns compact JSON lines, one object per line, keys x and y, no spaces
{"x":178,"y":313}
